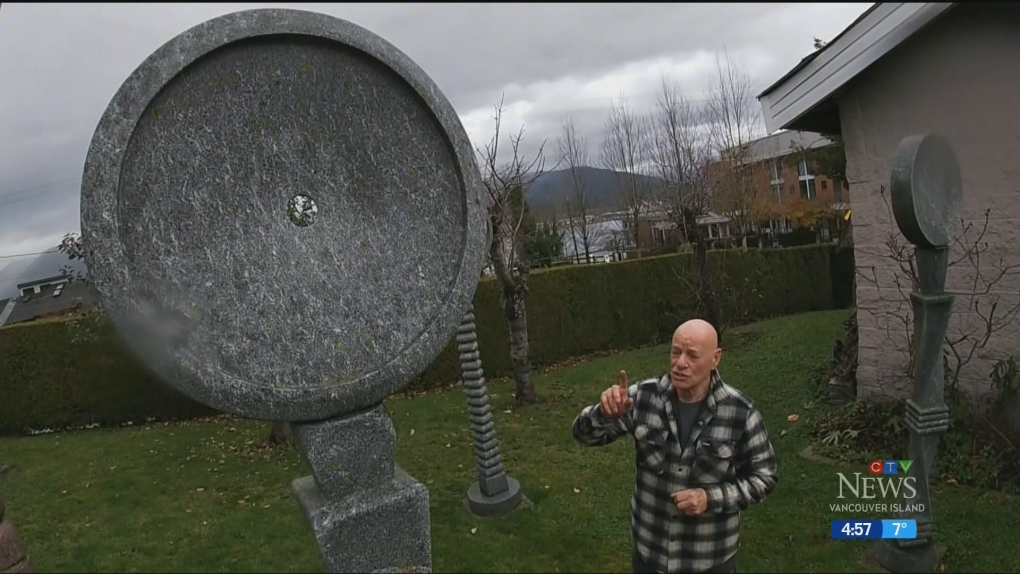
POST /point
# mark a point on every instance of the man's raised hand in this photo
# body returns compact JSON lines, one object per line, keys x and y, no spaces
{"x":615,"y":400}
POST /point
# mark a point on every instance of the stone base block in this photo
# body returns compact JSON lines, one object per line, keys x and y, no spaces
{"x":349,"y":453}
{"x":385,"y":529}
{"x":891,"y":557}
{"x":13,"y":557}
{"x":501,"y":503}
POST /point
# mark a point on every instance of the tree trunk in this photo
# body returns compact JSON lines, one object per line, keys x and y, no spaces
{"x":281,"y":433}
{"x":517,"y":322}
{"x":706,"y":293}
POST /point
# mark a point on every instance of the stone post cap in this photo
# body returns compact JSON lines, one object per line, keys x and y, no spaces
{"x":927,"y":190}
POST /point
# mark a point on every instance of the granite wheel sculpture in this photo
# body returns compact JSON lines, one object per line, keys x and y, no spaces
{"x":190,"y":188}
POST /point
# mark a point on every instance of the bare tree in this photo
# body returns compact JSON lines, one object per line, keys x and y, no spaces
{"x":734,"y":121}
{"x":681,"y":153}
{"x":573,"y":148}
{"x":571,"y":230}
{"x":625,"y":150}
{"x":505,"y":184}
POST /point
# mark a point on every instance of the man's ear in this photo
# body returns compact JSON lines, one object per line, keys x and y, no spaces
{"x":717,"y":356}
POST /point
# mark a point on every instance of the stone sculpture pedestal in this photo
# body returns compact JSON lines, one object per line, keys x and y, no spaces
{"x":13,"y":558}
{"x":368,"y":515}
{"x":246,"y":203}
{"x":927,"y":194}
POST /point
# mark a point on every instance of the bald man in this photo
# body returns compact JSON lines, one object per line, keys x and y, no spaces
{"x":702,"y":452}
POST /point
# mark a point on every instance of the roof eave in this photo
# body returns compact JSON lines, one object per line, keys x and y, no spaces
{"x":814,"y":81}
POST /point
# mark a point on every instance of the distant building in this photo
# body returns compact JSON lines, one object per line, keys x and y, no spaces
{"x":903,"y":69}
{"x":41,"y":285}
{"x":788,"y":184}
{"x":45,"y":298}
{"x":607,"y":238}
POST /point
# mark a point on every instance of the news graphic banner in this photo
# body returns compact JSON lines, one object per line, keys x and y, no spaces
{"x":868,"y":529}
{"x":887,"y":488}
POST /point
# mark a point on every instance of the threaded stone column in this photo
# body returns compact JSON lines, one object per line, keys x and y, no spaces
{"x":495,"y":492}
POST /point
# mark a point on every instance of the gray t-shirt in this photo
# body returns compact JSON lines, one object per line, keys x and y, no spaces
{"x":686,"y":417}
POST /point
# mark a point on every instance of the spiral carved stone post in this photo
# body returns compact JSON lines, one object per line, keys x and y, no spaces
{"x":927,"y":191}
{"x":495,"y":492}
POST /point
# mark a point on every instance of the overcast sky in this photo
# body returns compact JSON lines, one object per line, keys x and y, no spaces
{"x":61,"y":63}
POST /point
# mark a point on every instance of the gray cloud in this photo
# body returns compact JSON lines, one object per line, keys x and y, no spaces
{"x":61,"y":64}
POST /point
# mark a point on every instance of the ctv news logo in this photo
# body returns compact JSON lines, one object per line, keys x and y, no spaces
{"x":885,"y":488}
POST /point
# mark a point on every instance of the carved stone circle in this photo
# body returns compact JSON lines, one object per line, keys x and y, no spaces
{"x":927,"y":190}
{"x":283,"y":215}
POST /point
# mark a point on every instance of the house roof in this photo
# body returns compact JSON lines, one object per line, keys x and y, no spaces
{"x":42,"y":281}
{"x":782,"y":144}
{"x":45,"y":303}
{"x":796,"y":100}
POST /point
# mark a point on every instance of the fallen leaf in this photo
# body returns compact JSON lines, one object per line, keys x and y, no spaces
{"x":793,"y":418}
{"x":200,"y":489}
{"x":473,"y":530}
{"x":577,"y":490}
{"x":783,"y":433}
{"x":412,"y":431}
{"x":507,"y":412}
{"x":547,"y":486}
{"x":447,"y":445}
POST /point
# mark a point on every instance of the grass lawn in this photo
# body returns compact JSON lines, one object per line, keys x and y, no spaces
{"x":206,"y":496}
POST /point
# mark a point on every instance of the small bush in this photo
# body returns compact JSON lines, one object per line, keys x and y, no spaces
{"x":978,"y":449}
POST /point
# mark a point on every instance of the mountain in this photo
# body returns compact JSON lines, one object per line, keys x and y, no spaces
{"x":603,"y":190}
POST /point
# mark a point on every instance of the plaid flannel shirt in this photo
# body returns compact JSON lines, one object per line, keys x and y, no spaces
{"x":729,"y":455}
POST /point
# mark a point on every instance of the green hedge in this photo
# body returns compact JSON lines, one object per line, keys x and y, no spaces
{"x":52,"y":378}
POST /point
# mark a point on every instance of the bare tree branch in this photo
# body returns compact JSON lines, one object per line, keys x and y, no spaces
{"x":573,"y":148}
{"x":735,"y":121}
{"x":681,"y":153}
{"x":506,"y":185}
{"x":983,"y":307}
{"x":626,"y":151}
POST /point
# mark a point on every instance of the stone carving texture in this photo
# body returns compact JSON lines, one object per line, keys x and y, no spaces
{"x":283,"y":216}
{"x":926,"y":194}
{"x":495,"y":492}
{"x":184,"y":215}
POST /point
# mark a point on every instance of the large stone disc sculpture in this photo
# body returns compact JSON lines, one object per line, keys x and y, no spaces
{"x":283,"y":216}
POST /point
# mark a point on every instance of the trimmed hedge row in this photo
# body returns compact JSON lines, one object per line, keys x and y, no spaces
{"x":53,"y":378}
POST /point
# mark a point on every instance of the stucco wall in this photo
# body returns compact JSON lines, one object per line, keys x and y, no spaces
{"x":958,"y":77}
